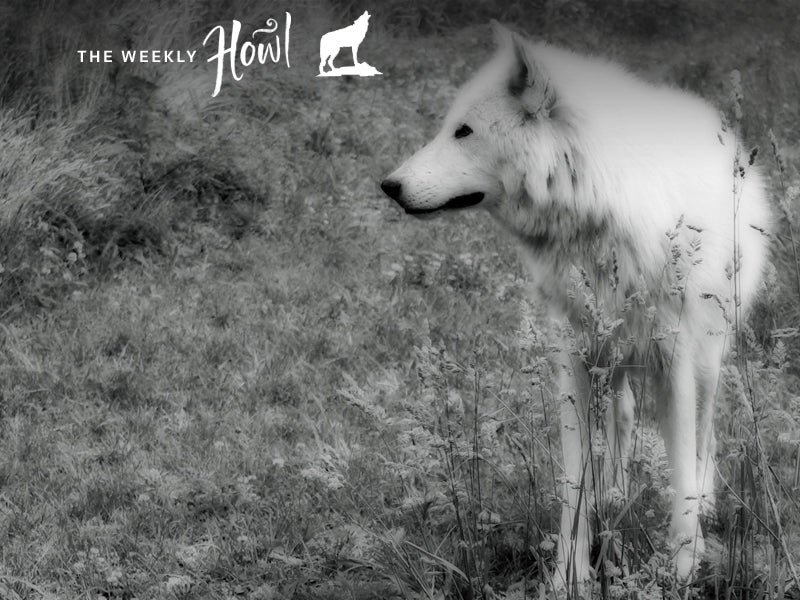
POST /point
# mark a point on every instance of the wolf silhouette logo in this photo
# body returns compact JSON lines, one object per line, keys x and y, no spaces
{"x":348,"y":37}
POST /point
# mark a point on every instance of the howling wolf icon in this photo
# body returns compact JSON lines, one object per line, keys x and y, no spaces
{"x":348,"y":37}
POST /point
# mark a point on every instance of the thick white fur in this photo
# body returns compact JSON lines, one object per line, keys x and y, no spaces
{"x":590,"y":166}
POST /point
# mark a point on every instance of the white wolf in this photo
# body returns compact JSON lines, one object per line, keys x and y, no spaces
{"x":347,"y":37}
{"x":620,"y":193}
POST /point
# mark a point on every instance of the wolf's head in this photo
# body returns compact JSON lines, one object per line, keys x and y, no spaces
{"x":364,"y":18}
{"x":497,"y":134}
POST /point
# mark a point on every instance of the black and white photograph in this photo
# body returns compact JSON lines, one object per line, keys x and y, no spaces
{"x":411,"y":300}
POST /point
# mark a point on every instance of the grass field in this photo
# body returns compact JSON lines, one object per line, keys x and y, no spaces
{"x":229,"y":368}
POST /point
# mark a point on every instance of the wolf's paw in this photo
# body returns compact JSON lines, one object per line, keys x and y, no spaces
{"x":577,"y":585}
{"x":687,"y":556}
{"x":566,"y":576}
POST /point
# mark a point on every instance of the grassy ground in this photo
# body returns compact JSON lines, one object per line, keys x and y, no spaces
{"x":231,"y":369}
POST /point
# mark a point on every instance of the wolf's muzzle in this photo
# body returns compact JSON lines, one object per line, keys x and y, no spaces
{"x":394,"y":189}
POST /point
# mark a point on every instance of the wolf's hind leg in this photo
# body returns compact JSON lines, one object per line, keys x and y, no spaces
{"x":707,"y":374}
{"x":619,"y":429}
{"x":679,"y":425}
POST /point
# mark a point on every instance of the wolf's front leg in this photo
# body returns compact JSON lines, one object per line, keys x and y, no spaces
{"x":572,"y":569}
{"x":355,"y":55}
{"x":678,"y":424}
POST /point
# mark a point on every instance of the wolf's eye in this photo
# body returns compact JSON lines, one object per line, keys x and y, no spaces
{"x":463,"y":131}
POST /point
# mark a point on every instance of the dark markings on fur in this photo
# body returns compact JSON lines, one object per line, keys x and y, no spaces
{"x":573,"y":172}
{"x":550,"y":181}
{"x":562,"y":231}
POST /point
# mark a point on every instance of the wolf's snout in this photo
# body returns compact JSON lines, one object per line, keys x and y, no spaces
{"x":392,"y":188}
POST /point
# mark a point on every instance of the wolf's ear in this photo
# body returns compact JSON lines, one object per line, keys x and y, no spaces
{"x":527,"y":72}
{"x":528,"y":79}
{"x":501,"y":34}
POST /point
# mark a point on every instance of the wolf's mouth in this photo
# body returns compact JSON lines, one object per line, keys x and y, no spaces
{"x":452,"y":204}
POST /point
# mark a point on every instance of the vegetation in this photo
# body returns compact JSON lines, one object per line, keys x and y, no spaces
{"x":230,"y":368}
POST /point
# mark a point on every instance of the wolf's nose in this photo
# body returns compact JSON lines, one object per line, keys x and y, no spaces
{"x":391,"y":188}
